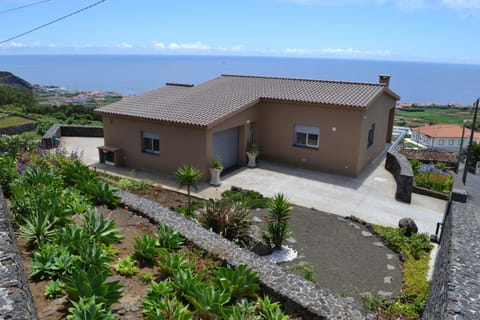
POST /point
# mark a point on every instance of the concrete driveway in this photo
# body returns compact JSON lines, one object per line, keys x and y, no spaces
{"x":370,"y":196}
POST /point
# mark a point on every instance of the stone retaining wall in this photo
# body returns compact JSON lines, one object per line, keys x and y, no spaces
{"x":455,"y":290}
{"x":16,"y":301}
{"x":401,"y":169}
{"x":51,"y":138}
{"x":18,"y":129}
{"x":296,"y":294}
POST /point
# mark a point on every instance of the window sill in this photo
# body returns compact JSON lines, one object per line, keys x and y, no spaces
{"x":151,"y":152}
{"x":306,"y":147}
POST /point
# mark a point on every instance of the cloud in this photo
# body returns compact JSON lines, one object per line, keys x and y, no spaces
{"x":125,"y":45}
{"x":194,"y":47}
{"x":339,"y":52}
{"x":462,"y":4}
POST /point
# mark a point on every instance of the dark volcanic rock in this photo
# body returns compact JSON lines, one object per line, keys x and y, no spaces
{"x":409,"y":225}
{"x":11,"y":80}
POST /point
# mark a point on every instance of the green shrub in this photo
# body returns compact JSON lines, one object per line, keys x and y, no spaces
{"x":145,"y":249}
{"x":101,"y":229}
{"x":88,"y":309}
{"x":210,"y":303}
{"x":82,"y":283}
{"x":239,"y":282}
{"x":146,"y":277}
{"x":38,"y":228}
{"x":305,"y":269}
{"x":93,"y":255}
{"x":230,"y":220}
{"x":50,"y":262}
{"x":167,"y":309}
{"x":172,"y":263}
{"x":251,"y":199}
{"x":269,"y":310}
{"x":54,"y":289}
{"x":168,"y":238}
{"x":126,"y":266}
{"x":8,"y":173}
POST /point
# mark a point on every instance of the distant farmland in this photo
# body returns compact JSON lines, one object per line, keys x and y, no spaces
{"x":420,"y":116}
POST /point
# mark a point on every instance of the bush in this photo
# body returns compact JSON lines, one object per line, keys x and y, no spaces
{"x":126,"y":266}
{"x":168,"y":238}
{"x":250,"y":199}
{"x":101,"y":229}
{"x":145,"y":249}
{"x":230,"y":220}
{"x":88,"y":309}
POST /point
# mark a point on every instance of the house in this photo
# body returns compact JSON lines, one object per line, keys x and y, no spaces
{"x":443,"y":137}
{"x":333,"y":126}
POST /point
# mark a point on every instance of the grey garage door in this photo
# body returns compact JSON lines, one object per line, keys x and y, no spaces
{"x":225,"y":147}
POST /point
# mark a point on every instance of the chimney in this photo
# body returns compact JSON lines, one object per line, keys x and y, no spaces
{"x":384,"y":79}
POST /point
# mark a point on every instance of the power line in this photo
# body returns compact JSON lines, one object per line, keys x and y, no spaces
{"x":51,"y":22}
{"x":24,"y":6}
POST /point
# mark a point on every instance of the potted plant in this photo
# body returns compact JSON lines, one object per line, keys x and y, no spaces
{"x":215,"y":171}
{"x":252,"y":153}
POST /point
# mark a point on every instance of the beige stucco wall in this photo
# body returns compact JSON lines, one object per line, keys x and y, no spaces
{"x":338,"y":143}
{"x":178,"y":144}
{"x":378,"y":112}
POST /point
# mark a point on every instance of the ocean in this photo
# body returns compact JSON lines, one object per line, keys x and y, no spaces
{"x":419,"y":82}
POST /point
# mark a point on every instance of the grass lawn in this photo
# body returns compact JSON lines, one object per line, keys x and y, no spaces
{"x":13,"y":121}
{"x":431,"y":115}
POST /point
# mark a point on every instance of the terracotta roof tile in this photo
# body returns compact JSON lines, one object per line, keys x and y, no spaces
{"x":443,"y":131}
{"x":216,"y":99}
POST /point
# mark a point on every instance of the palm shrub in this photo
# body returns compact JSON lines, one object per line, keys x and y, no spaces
{"x":101,"y":229}
{"x":89,"y":309}
{"x":227,"y":218}
{"x":188,"y":176}
{"x":277,"y":228}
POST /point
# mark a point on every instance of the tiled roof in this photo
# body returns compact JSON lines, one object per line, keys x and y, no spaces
{"x":443,"y":131}
{"x":216,"y":99}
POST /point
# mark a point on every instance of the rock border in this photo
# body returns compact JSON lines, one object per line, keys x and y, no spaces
{"x":16,"y":300}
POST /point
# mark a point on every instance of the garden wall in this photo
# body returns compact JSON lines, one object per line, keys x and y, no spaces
{"x":51,"y":138}
{"x":455,"y":289}
{"x":18,"y":129}
{"x":401,"y":169}
{"x":16,"y":301}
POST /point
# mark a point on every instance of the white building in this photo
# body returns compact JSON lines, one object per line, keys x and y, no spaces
{"x":444,"y":137}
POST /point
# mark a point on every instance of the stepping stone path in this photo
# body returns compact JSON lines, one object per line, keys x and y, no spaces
{"x":387,"y":280}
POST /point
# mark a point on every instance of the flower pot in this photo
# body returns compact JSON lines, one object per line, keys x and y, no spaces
{"x":215,"y":177}
{"x":251,"y":160}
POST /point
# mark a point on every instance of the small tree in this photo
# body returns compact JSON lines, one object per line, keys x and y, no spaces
{"x":277,"y":229}
{"x":188,"y":176}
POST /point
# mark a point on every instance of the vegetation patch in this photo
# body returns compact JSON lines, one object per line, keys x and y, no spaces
{"x":432,"y":176}
{"x":416,"y":287}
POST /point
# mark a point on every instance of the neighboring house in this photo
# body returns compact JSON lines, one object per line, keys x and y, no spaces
{"x":444,"y":137}
{"x":333,"y":126}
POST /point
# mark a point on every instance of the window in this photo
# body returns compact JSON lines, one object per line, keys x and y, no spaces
{"x":150,"y":142}
{"x":371,"y":135}
{"x":451,"y":142}
{"x":441,"y":142}
{"x":307,"y":136}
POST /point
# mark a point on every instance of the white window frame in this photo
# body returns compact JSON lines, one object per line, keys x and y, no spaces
{"x":451,"y":142}
{"x":151,"y":147}
{"x":441,"y":142}
{"x":309,"y":132}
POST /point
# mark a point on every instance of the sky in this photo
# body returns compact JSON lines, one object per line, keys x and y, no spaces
{"x":409,"y":30}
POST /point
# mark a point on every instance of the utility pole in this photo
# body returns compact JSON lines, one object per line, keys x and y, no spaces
{"x":469,"y":147}
{"x":461,"y":146}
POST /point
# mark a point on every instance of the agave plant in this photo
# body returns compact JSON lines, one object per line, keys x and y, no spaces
{"x":38,"y":228}
{"x":71,"y":236}
{"x":210,"y":303}
{"x":167,"y":309}
{"x":101,"y":229}
{"x":126,"y":266}
{"x":244,"y":309}
{"x":172,"y":263}
{"x":168,"y":238}
{"x":93,"y":255}
{"x":145,"y":249}
{"x":50,"y":261}
{"x":269,"y":310}
{"x":82,"y":283}
{"x":239,"y":282}
{"x":186,"y":281}
{"x":158,"y":291}
{"x":54,"y":289}
{"x":89,"y":309}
